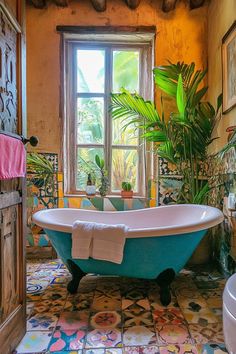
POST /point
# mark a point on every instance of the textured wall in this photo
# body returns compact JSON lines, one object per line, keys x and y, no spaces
{"x":181,"y":36}
{"x":221,"y":15}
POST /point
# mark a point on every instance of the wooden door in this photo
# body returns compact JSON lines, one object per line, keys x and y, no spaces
{"x":12,"y":192}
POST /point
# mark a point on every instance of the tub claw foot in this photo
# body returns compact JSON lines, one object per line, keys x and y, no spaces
{"x":164,"y":280}
{"x":77,"y":275}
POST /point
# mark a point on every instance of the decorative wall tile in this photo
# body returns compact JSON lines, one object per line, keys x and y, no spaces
{"x":168,"y":190}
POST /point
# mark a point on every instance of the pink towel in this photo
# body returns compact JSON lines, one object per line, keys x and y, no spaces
{"x":12,"y":157}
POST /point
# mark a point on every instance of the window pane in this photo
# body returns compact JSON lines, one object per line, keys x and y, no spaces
{"x":123,"y":137}
{"x":90,"y":70}
{"x":86,"y":164}
{"x":90,"y":120}
{"x":126,"y":70}
{"x":124,"y":168}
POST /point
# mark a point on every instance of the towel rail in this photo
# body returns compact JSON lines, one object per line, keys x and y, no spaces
{"x":33,"y":140}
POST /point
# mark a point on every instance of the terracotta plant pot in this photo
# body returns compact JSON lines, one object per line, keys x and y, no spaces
{"x":127,"y":194}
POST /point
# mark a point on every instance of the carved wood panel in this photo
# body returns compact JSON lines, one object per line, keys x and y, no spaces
{"x":8,"y":92}
{"x":9,"y":265}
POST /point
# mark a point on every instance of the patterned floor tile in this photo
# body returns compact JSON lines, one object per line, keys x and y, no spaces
{"x":33,"y":297}
{"x":203,"y":317}
{"x":214,"y":302}
{"x":173,"y":334}
{"x":214,"y":349}
{"x":73,"y":320}
{"x":53,"y":306}
{"x":36,"y":286}
{"x":94,"y":351}
{"x":60,"y":280}
{"x":197,"y":303}
{"x":135,"y":306}
{"x":104,"y":303}
{"x":139,"y":335}
{"x":205,"y":334}
{"x":34,"y":342}
{"x":105,"y":319}
{"x":66,"y":352}
{"x":113,"y":351}
{"x":170,"y":315}
{"x":144,"y":318}
{"x":67,"y":340}
{"x":180,"y":349}
{"x":29,"y":309}
{"x":104,"y":338}
{"x":54,"y":294}
{"x":210,"y":294}
{"x":150,"y":349}
{"x":123,"y":315}
{"x":43,"y":322}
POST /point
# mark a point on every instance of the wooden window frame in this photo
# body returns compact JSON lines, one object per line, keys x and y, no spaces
{"x":70,"y":43}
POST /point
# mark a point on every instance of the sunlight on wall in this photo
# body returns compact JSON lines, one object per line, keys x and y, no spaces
{"x":181,"y":36}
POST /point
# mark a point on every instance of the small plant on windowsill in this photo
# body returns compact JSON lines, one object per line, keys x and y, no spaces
{"x":90,"y":188}
{"x":126,"y":191}
{"x":104,"y":181}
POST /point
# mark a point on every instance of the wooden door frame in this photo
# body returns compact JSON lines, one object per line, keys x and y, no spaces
{"x":10,"y":333}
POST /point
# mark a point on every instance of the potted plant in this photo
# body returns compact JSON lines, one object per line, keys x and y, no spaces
{"x":181,"y":137}
{"x":90,"y":188}
{"x":126,"y":191}
{"x":104,"y":181}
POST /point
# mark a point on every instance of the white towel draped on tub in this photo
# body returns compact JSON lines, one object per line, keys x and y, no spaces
{"x":99,"y":241}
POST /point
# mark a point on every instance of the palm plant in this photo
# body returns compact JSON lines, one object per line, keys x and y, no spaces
{"x":181,"y":138}
{"x":42,"y":171}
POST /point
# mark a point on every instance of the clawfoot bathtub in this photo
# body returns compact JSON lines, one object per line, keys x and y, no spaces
{"x":159,"y":241}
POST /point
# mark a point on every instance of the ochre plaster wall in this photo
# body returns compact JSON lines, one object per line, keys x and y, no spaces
{"x":221,"y":15}
{"x":181,"y":36}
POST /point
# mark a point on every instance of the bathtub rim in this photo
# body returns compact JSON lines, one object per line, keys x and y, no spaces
{"x":208,"y":222}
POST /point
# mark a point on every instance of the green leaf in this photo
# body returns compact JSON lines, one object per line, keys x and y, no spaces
{"x":180,"y":96}
{"x":97,"y":160}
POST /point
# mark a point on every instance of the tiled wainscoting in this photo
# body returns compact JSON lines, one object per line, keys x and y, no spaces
{"x":114,"y":315}
{"x":51,"y":195}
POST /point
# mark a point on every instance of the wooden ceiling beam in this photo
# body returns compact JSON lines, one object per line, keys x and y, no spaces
{"x":133,"y":4}
{"x":61,"y":3}
{"x":194,"y":4}
{"x":99,"y":5}
{"x":168,"y":5}
{"x":39,"y":4}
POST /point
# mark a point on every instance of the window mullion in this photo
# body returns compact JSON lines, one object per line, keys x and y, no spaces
{"x":108,"y":125}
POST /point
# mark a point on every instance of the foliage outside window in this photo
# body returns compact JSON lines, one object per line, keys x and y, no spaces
{"x":94,"y":71}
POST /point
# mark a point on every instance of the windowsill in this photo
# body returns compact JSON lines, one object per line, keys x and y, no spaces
{"x":107,"y":196}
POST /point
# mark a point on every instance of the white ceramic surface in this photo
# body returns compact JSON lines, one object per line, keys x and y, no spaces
{"x":229,"y":314}
{"x":159,"y":221}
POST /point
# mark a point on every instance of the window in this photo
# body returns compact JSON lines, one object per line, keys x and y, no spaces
{"x":93,"y":69}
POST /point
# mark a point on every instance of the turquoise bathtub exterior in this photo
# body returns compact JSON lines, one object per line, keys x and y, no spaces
{"x":144,"y":257}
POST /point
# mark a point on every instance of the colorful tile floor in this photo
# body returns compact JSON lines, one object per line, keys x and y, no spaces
{"x":112,"y":315}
